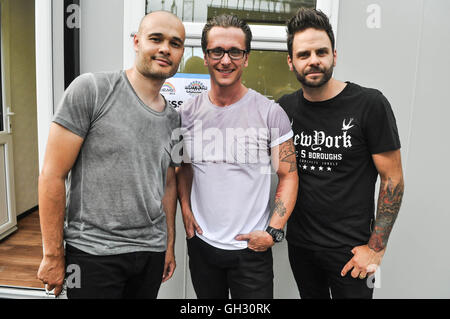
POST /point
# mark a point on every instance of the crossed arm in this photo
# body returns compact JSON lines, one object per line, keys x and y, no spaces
{"x":368,"y":257}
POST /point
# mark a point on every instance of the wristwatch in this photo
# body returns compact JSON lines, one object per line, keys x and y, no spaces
{"x":277,"y":234}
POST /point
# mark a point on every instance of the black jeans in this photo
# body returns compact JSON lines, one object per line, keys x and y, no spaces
{"x":318,"y":273}
{"x":215,"y":273}
{"x":135,"y":275}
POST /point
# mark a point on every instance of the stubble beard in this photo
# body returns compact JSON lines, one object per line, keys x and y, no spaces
{"x":146,"y":69}
{"x":327,"y":74}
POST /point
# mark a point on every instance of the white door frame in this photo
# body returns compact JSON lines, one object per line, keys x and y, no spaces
{"x":6,"y":139}
{"x":7,"y":161}
{"x":44,"y":72}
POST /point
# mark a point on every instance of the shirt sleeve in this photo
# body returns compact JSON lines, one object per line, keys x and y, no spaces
{"x":279,"y":126}
{"x":75,"y":110}
{"x":381,"y":128}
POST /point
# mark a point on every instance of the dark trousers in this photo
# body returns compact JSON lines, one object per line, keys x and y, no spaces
{"x":135,"y":275}
{"x":216,"y":273}
{"x":318,"y":273}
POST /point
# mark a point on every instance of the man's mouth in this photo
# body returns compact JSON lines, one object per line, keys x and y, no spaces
{"x":227,"y":71}
{"x":314,"y":72}
{"x":162,"y":61}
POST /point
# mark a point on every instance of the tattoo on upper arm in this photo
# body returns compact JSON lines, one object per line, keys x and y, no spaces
{"x":279,"y":207}
{"x":389,"y":202}
{"x":287,"y":155}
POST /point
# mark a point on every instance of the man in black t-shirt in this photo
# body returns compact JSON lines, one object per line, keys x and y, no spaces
{"x":345,"y":136}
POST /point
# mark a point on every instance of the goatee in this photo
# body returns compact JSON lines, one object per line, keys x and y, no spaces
{"x":327,"y":74}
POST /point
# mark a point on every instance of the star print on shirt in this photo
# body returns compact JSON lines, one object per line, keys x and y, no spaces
{"x":314,"y":168}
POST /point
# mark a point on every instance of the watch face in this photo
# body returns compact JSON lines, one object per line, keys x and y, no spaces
{"x":277,"y":234}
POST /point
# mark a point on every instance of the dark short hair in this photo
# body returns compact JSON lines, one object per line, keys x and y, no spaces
{"x":305,"y":19}
{"x":227,"y":21}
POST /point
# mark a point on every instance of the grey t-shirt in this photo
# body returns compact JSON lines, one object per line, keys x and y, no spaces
{"x":118,"y":180}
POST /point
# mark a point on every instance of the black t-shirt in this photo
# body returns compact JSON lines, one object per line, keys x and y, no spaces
{"x":334,"y":141}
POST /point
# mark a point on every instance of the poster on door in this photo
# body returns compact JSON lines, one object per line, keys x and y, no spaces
{"x":184,"y":86}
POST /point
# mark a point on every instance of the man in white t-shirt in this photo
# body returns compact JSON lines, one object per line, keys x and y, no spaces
{"x":233,"y":137}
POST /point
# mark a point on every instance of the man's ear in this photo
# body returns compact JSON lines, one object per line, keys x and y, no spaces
{"x":289,"y":62}
{"x":334,"y":58}
{"x":136,"y":42}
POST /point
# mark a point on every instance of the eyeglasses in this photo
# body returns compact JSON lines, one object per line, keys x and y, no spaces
{"x":233,"y":53}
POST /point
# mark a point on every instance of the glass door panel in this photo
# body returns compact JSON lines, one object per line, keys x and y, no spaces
{"x":267,"y":71}
{"x":268,"y":12}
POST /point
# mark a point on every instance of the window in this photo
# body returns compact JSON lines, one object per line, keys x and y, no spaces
{"x":267,"y":71}
{"x":267,"y":12}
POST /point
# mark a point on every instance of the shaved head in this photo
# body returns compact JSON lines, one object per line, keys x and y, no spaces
{"x":166,"y":16}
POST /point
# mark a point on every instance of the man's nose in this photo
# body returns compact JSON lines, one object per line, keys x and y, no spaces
{"x":225,"y":59}
{"x":314,"y":59}
{"x":164,"y":47}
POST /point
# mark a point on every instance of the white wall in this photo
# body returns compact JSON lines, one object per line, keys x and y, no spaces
{"x":101,"y":43}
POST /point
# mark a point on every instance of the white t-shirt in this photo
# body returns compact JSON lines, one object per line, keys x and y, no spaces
{"x":229,"y":149}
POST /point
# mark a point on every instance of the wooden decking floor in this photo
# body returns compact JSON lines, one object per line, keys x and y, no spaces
{"x":21,"y":254}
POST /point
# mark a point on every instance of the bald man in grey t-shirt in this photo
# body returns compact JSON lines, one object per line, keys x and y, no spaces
{"x":112,"y":132}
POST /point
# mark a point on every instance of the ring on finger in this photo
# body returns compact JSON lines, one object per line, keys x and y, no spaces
{"x":362,"y":276}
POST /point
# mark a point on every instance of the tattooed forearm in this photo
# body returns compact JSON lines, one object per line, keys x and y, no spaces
{"x":389,"y":202}
{"x":287,"y":155}
{"x":279,"y":209}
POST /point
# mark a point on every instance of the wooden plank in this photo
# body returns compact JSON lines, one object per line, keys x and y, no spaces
{"x":21,"y":254}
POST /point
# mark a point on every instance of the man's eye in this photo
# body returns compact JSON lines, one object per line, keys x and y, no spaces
{"x":155,"y":39}
{"x":217,"y":51}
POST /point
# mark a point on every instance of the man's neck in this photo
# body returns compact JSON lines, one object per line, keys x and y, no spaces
{"x":147,"y":89}
{"x":224,"y":96}
{"x":326,"y":92}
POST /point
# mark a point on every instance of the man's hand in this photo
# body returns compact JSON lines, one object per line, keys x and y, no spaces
{"x":169,"y":265}
{"x":52,"y":272}
{"x":190,"y":224}
{"x":258,"y":240}
{"x":364,"y":262}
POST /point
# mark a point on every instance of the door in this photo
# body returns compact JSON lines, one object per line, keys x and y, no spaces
{"x":8,"y":218}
